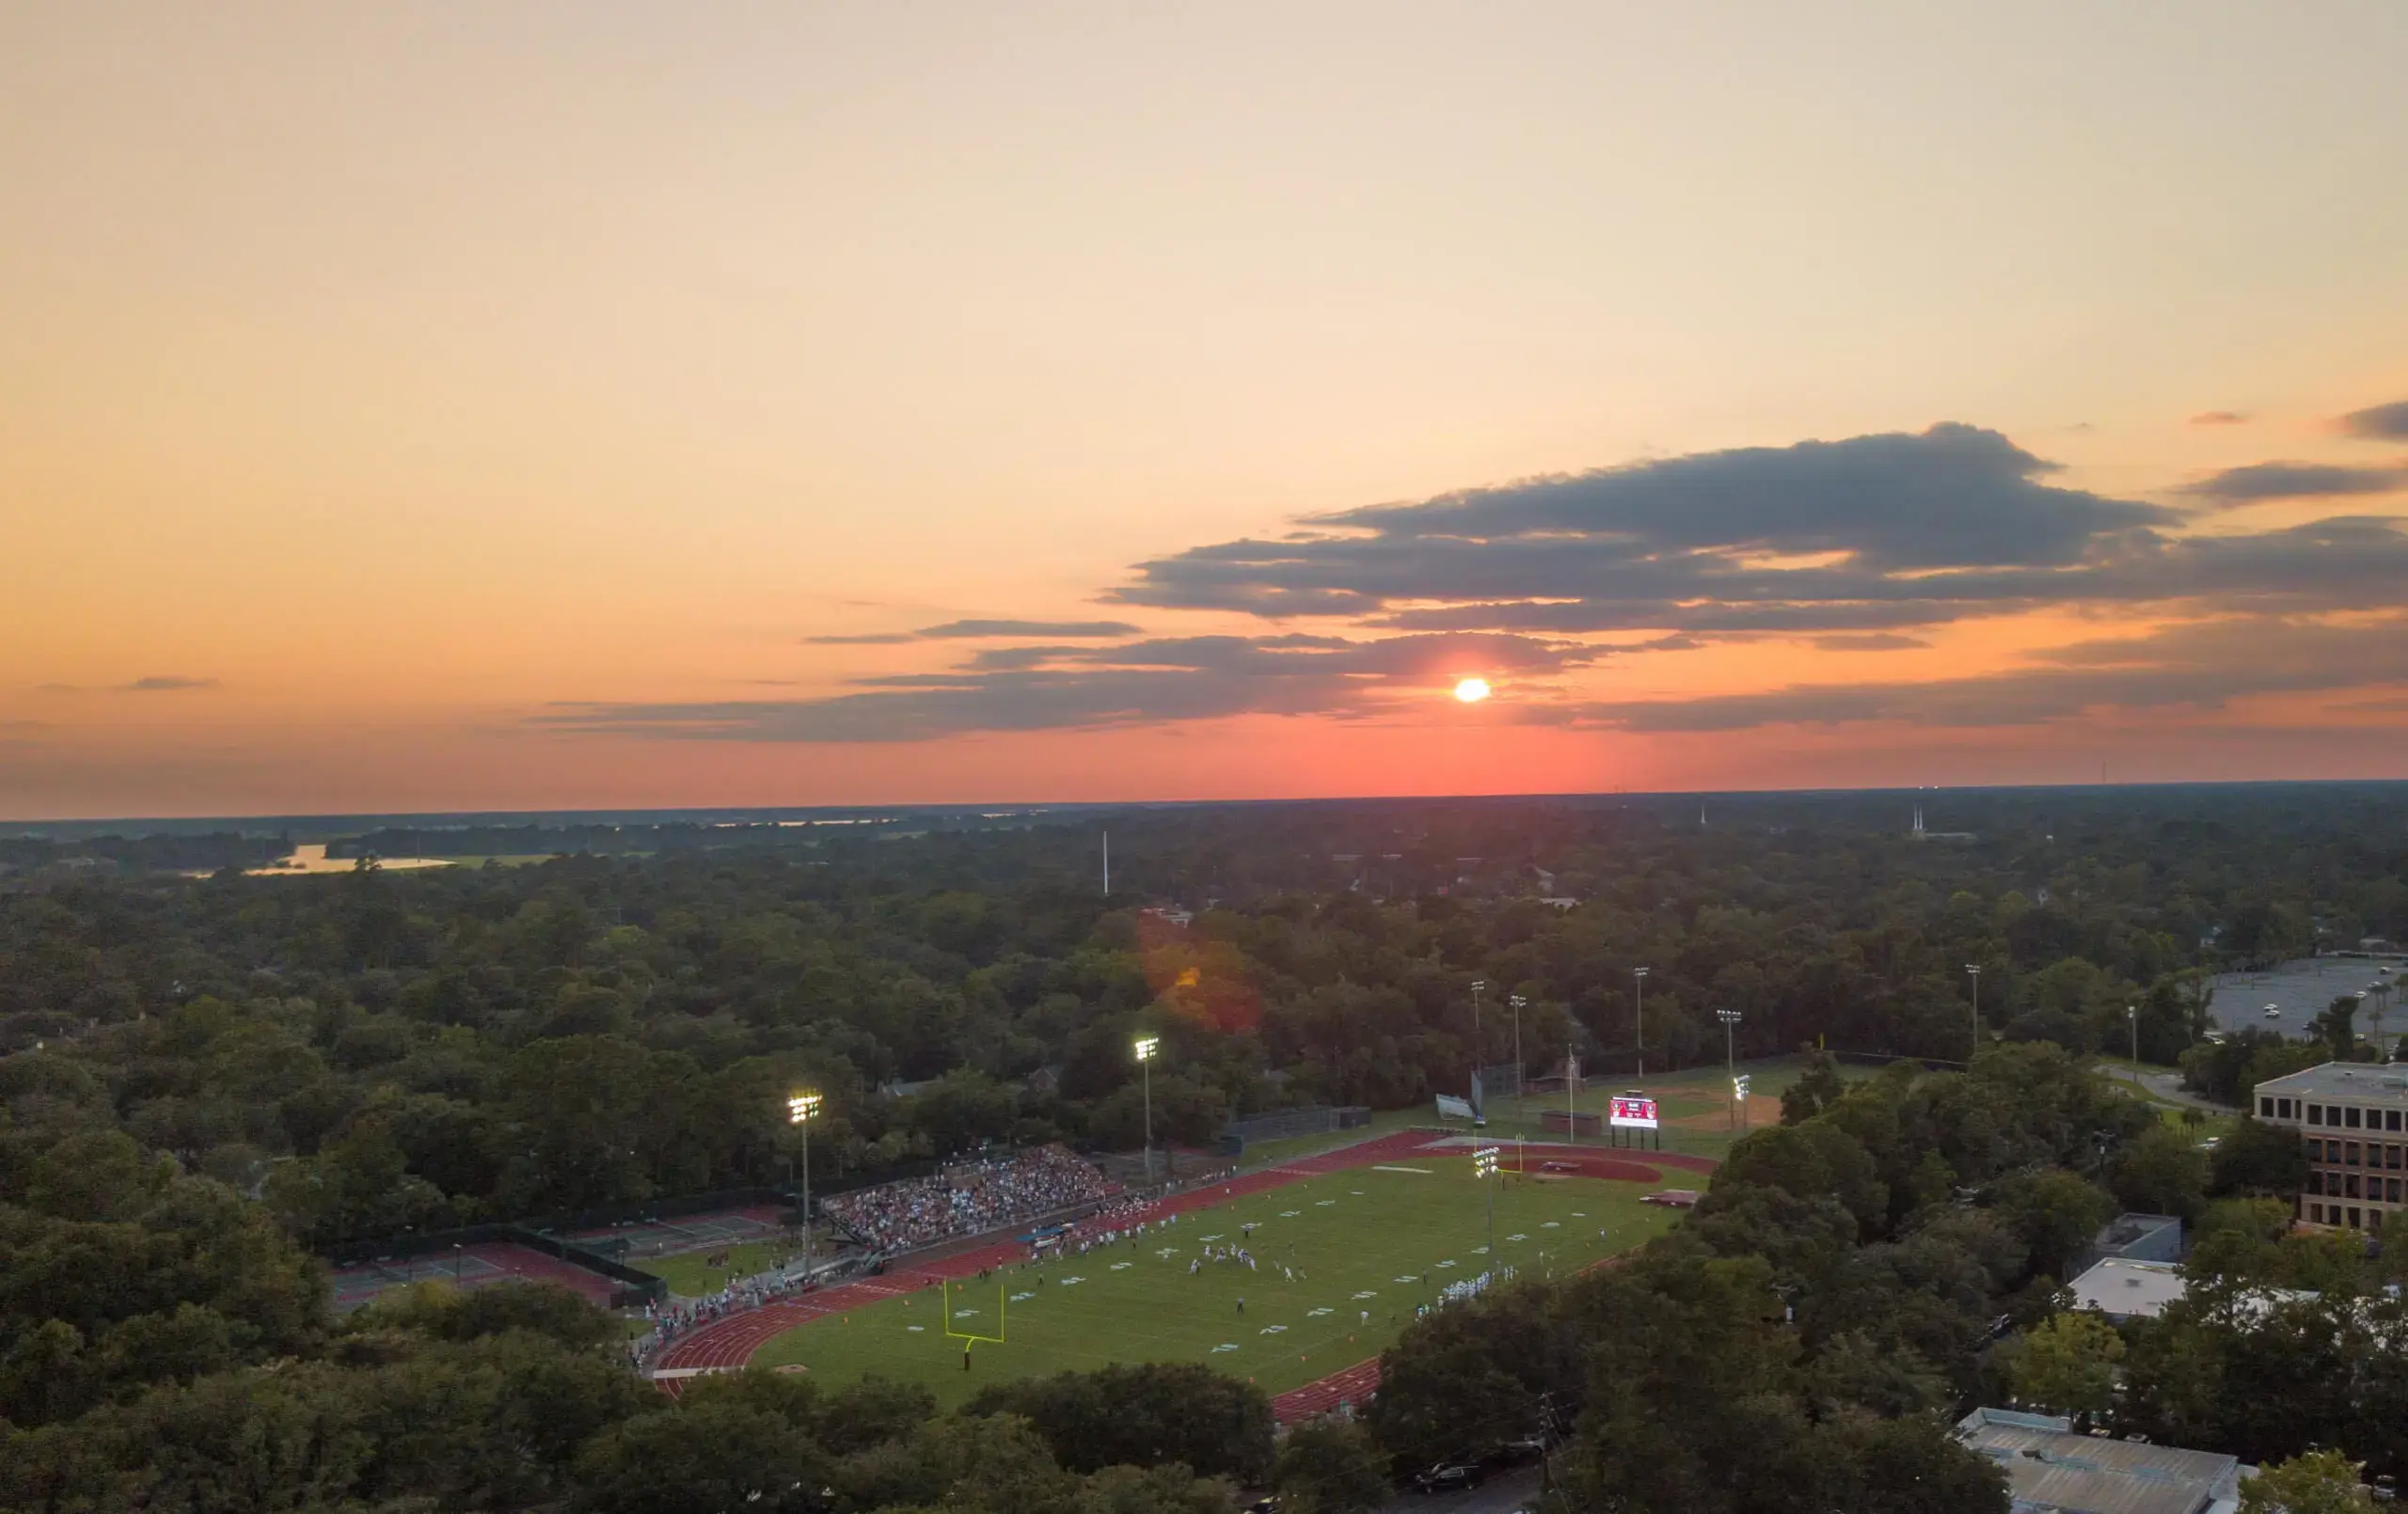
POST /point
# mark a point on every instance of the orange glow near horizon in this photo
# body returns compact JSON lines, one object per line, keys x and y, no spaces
{"x":385,"y":383}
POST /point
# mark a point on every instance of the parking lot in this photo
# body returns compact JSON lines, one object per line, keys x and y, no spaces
{"x":2302,"y":989}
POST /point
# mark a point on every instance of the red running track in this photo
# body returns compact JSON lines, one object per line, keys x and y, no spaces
{"x":1354,"y":1386}
{"x":729,"y":1343}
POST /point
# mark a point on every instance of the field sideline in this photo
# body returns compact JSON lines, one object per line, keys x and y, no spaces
{"x":1361,"y":1240}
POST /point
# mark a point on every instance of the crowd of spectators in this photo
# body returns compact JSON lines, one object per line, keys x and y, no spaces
{"x":967,"y":1198}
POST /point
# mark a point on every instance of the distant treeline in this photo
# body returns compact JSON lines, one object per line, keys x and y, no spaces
{"x":36,"y":854}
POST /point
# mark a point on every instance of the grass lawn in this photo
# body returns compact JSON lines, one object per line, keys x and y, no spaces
{"x":1365,"y":1242}
{"x":1702,"y":1092}
{"x":689,"y":1278}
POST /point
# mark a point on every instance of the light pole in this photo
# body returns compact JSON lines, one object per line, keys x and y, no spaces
{"x":1521,"y":1111}
{"x":1730,"y":1018}
{"x":2132,"y":1013}
{"x":1479,"y":987}
{"x":1638,"y":1017}
{"x":1483,"y":1166}
{"x":1146,"y":1047}
{"x":1976,"y":969}
{"x":800,"y":1110}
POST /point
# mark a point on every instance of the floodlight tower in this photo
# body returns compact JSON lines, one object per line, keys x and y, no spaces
{"x":1638,"y":1017}
{"x":2132,"y":1013}
{"x":1730,"y":1018}
{"x":1146,"y":1048}
{"x":1483,"y":1166}
{"x":800,"y":1110}
{"x":1521,"y":1109}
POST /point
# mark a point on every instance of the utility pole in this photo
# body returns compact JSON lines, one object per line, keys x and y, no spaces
{"x":1639,"y":1016}
{"x":1730,"y":1018}
{"x":1976,"y":969}
{"x":1571,"y":1110}
{"x":1107,"y":864}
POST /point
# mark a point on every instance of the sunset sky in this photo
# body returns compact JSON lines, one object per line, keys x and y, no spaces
{"x":424,"y":407}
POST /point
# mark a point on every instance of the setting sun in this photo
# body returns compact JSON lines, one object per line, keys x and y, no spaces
{"x":1472,"y":690}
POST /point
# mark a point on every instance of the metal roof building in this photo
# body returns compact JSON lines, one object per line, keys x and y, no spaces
{"x":2050,"y":1470}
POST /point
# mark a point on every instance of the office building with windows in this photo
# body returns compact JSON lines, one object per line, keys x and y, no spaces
{"x":2352,"y":1117}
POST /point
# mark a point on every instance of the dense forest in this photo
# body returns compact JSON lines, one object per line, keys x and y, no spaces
{"x":386,"y":1048}
{"x":207,"y":1075}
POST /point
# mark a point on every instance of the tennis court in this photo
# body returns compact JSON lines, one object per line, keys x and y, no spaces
{"x":467,"y":1267}
{"x":686,"y":1232}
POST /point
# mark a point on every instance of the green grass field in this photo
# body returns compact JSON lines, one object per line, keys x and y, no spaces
{"x":1363,"y":1242}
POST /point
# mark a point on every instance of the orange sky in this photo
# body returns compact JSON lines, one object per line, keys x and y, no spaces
{"x":410,"y":409}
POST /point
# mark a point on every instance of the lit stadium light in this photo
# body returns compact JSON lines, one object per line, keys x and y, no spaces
{"x":1146,"y":1046}
{"x":802,"y":1108}
{"x":1483,"y":1163}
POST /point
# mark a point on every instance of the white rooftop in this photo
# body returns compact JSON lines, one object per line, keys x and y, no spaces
{"x":2122,"y":1289}
{"x":2371,"y":1083}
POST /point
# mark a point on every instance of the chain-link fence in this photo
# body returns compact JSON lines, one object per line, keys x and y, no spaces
{"x":1282,"y":1125}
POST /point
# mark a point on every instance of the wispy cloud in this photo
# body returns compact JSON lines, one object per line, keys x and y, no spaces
{"x":166,"y":684}
{"x":997,"y":630}
{"x":2204,"y":666}
{"x":2294,"y":480}
{"x":1166,"y":679}
{"x":152,"y":684}
{"x":1875,"y":641}
{"x":2221,"y":418}
{"x":1067,"y":630}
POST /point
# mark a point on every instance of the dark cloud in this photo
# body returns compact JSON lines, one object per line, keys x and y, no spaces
{"x":2384,"y":422}
{"x":2203,"y":666}
{"x":1854,"y":546}
{"x":1949,"y":514}
{"x":2293,"y":480}
{"x":1167,"y":679}
{"x":2221,"y":418}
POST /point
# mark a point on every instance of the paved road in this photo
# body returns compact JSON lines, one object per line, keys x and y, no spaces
{"x":1501,"y":1495}
{"x":2164,"y":1085}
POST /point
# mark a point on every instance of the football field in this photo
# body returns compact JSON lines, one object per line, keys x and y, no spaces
{"x":1340,"y":1262}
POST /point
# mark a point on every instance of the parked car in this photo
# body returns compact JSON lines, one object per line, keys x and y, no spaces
{"x":1449,"y":1476}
